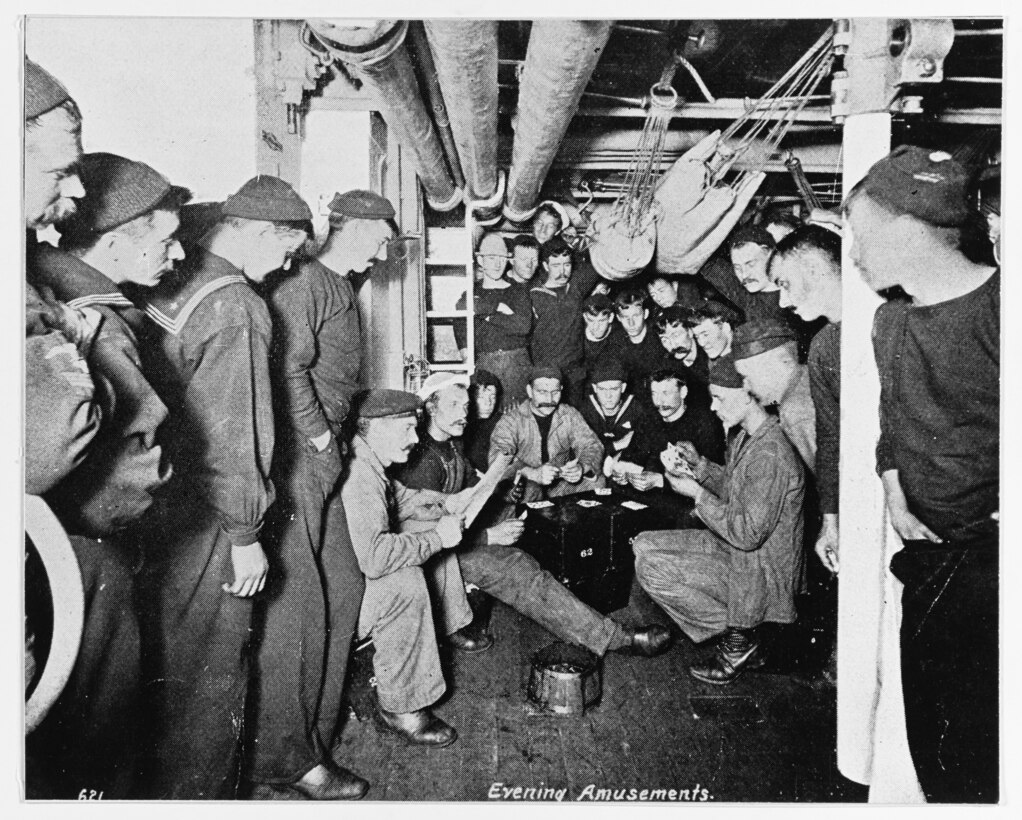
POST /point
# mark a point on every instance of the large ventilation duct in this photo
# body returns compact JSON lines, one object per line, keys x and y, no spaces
{"x":379,"y":54}
{"x":465,"y":52}
{"x":423,"y":58}
{"x":561,"y":57}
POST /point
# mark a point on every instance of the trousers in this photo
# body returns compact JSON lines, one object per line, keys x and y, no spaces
{"x":686,"y":572}
{"x":306,"y":618}
{"x":516,"y":579}
{"x":949,"y":668}
{"x":403,"y":611}
{"x":89,"y":739}
{"x":195,"y":655}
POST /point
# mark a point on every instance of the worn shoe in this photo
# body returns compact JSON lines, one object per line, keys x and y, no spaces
{"x":330,"y":782}
{"x":420,"y":728}
{"x":736,"y":653}
{"x":647,"y":641}
{"x":470,"y":639}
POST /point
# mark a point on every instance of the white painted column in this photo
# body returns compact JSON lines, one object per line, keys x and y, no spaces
{"x":872,"y":746}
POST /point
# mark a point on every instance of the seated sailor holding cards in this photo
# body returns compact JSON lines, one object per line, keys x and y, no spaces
{"x":741,"y":571}
{"x":487,"y":557}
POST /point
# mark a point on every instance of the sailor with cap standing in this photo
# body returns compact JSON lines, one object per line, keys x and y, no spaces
{"x":209,"y":348}
{"x":938,"y":355}
{"x":766,"y":354}
{"x":741,"y":571}
{"x":98,"y":481}
{"x":315,"y":587}
{"x":397,"y":609}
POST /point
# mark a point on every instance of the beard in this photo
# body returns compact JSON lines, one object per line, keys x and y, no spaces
{"x":59,"y":211}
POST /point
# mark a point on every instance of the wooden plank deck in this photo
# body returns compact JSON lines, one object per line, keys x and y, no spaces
{"x":764,"y":738}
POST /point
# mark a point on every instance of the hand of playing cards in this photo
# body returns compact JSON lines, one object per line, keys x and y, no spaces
{"x":676,"y":459}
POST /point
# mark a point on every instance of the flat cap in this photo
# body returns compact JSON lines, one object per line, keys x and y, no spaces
{"x":117,"y":190}
{"x":267,"y":198}
{"x":545,"y":371}
{"x":43,"y":92}
{"x":928,"y":185}
{"x":607,"y":369}
{"x":438,"y":381}
{"x":597,"y":303}
{"x":723,"y":373}
{"x":384,"y":403}
{"x":757,"y":337}
{"x":360,"y":204}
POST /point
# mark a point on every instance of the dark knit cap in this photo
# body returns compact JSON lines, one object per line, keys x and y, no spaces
{"x":267,"y":198}
{"x":751,"y":234}
{"x":597,"y":303}
{"x":607,"y":369}
{"x":723,"y":373}
{"x":117,"y":190}
{"x":385,"y":403}
{"x":714,"y":311}
{"x":43,"y":92}
{"x":545,"y":371}
{"x":361,"y":205}
{"x":757,"y":337}
{"x":928,"y":185}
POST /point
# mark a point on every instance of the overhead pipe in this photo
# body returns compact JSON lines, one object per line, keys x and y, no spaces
{"x":423,"y":57}
{"x":381,"y":58}
{"x":558,"y":64}
{"x":465,"y":53}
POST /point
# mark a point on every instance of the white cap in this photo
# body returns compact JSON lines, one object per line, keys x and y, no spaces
{"x":438,"y":381}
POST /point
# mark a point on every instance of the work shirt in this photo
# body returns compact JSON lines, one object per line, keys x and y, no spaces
{"x":317,"y":351}
{"x":825,"y":386}
{"x":641,"y":359}
{"x":559,"y":328}
{"x":798,"y":416}
{"x":754,"y":505}
{"x":376,"y":507}
{"x":495,"y":329}
{"x":517,"y":434}
{"x":209,"y":361}
{"x":940,"y":407}
{"x":122,"y":470}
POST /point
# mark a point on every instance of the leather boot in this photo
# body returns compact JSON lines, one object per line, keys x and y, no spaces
{"x":736,"y":652}
{"x":420,"y":728}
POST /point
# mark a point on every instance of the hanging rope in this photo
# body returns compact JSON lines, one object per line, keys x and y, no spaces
{"x":703,"y":194}
{"x":633,"y":205}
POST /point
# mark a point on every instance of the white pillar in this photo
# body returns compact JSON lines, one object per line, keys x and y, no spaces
{"x":872,"y":746}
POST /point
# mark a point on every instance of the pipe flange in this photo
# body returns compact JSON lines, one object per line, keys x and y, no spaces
{"x":489,"y":209}
{"x":450,"y":204}
{"x":520,"y":216}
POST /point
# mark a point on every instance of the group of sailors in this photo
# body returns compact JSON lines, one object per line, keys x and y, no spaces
{"x":241,"y":508}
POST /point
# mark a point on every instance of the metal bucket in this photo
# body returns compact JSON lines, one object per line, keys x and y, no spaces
{"x":565,"y":679}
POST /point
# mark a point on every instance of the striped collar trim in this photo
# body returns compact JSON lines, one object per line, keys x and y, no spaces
{"x":114,"y":299}
{"x":176,"y":325}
